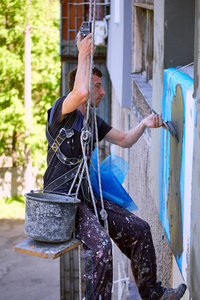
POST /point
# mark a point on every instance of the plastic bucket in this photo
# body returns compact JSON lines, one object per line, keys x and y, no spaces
{"x":50,"y":217}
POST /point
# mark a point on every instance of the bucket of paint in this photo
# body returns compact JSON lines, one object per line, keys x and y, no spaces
{"x":50,"y":217}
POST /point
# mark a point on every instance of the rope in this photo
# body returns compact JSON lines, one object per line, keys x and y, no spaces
{"x":87,"y":172}
{"x":87,"y":138}
{"x":91,"y":87}
{"x":73,"y":183}
{"x":103,"y":212}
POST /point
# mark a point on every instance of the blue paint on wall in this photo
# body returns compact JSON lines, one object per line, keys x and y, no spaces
{"x":172,"y":77}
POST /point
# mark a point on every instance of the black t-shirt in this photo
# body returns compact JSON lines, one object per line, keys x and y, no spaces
{"x":71,"y":147}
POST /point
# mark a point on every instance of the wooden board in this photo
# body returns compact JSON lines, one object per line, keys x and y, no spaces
{"x":45,"y":250}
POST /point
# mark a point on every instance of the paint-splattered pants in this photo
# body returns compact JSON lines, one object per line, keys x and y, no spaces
{"x":132,"y":235}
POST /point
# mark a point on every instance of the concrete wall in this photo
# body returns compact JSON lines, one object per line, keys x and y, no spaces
{"x":157,"y":90}
{"x":142,"y":180}
{"x":12,"y":181}
{"x":174,"y":45}
{"x":137,"y":185}
{"x":138,"y":157}
{"x":175,"y":174}
{"x":173,"y":28}
{"x":194,"y":266}
{"x":179,"y":33}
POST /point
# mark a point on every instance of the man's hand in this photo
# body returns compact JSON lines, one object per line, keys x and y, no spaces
{"x":84,"y":45}
{"x":79,"y":94}
{"x":154,"y":121}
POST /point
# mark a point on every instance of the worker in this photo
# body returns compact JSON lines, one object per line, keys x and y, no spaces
{"x":130,"y":233}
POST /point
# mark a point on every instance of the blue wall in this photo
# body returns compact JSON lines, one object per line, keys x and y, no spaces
{"x":173,"y":163}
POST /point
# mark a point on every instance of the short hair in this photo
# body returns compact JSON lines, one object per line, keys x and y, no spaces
{"x":72,"y":75}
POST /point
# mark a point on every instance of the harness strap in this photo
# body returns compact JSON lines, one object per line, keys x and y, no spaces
{"x":62,"y":179}
{"x":65,"y":132}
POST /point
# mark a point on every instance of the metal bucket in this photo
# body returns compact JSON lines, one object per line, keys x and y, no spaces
{"x":50,"y":217}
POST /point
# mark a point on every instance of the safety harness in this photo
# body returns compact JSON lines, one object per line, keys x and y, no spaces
{"x":66,"y":132}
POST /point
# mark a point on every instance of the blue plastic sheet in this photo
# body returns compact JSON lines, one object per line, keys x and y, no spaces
{"x":113,"y":171}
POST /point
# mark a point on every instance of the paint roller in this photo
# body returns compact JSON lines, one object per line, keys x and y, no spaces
{"x":170,"y":126}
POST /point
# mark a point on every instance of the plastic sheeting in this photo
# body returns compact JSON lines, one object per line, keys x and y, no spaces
{"x":113,"y":171}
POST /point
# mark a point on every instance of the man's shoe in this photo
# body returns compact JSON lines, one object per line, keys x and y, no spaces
{"x":174,"y":294}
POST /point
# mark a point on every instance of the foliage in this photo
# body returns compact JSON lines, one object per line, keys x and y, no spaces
{"x":12,"y":208}
{"x":43,"y":17}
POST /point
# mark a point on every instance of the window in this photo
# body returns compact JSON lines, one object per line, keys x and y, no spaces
{"x":143,"y":39}
{"x":73,"y":13}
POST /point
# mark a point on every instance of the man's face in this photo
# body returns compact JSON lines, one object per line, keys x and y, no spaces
{"x":98,"y":94}
{"x":98,"y":90}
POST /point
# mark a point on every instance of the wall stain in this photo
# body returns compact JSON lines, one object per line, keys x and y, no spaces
{"x":174,"y":196}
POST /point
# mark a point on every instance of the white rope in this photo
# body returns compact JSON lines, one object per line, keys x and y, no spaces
{"x":90,"y":11}
{"x":103,"y":212}
{"x":74,"y":181}
{"x":87,"y":138}
{"x":91,"y":87}
{"x":87,"y":172}
{"x":122,"y":279}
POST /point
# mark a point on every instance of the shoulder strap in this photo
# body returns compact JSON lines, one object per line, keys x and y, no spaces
{"x":54,"y":144}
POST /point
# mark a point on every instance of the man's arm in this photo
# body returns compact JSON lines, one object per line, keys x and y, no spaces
{"x":129,"y":138}
{"x":79,"y":93}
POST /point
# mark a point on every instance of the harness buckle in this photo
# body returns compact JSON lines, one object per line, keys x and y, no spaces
{"x":69,"y":132}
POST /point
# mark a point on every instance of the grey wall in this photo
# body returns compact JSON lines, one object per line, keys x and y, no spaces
{"x":179,"y":32}
{"x":158,"y":69}
{"x":137,"y":185}
{"x":173,"y":46}
{"x":194,"y":283}
{"x":177,"y":44}
{"x":119,"y":51}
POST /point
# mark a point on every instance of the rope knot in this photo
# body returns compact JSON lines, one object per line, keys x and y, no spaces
{"x":86,"y":135}
{"x":103,"y":214}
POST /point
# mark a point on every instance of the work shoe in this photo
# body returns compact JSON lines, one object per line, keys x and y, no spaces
{"x":174,"y":294}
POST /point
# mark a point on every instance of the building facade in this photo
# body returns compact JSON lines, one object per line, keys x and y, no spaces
{"x":151,"y":59}
{"x":163,"y":173}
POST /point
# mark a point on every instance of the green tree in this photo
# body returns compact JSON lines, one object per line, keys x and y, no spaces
{"x":45,"y":75}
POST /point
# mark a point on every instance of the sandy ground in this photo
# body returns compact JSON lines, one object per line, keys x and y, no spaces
{"x":25,"y":277}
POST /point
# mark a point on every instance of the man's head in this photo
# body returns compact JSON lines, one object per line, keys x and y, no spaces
{"x":72,"y":75}
{"x":98,"y":88}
